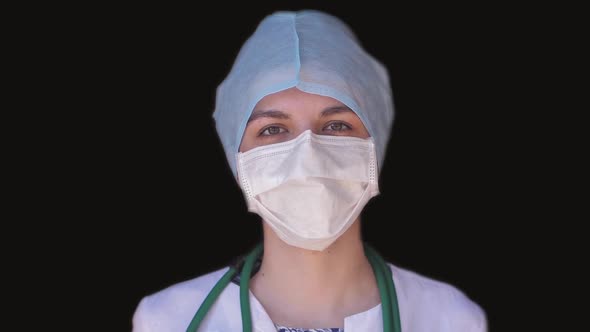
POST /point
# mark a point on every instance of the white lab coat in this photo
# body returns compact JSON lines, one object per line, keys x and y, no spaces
{"x":425,"y":305}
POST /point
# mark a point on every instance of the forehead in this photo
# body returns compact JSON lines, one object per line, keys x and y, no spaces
{"x":294,"y":99}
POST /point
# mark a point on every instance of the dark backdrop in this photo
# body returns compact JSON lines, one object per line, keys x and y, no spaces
{"x":158,"y":203}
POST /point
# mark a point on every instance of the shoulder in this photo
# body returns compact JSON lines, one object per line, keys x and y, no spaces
{"x":443,"y":304}
{"x":172,"y":308}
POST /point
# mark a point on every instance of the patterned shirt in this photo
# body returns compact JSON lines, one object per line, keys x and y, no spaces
{"x":289,"y":329}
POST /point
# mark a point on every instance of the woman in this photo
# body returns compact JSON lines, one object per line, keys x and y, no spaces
{"x":304,"y":116}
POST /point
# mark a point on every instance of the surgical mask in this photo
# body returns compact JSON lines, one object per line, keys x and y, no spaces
{"x":311,"y":189}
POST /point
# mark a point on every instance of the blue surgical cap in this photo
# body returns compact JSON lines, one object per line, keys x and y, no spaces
{"x":315,"y":52}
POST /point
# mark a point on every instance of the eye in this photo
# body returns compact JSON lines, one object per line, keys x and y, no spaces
{"x":272,"y":130}
{"x":337,"y":126}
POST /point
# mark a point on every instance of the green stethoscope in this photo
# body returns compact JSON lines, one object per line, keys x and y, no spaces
{"x":391,"y":319}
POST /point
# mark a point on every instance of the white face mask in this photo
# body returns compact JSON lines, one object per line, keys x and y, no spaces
{"x":309,"y":189}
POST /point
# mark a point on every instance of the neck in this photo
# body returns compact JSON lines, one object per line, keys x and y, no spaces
{"x":340,"y":276}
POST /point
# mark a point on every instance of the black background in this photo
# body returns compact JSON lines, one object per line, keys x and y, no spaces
{"x":155,"y":203}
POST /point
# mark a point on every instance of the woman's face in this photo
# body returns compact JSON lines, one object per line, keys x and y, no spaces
{"x":284,"y":115}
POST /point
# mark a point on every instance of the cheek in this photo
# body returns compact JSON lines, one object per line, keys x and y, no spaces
{"x":364,"y":130}
{"x":365,"y":133}
{"x":245,"y":146}
{"x":248,"y":141}
{"x":361,"y":130}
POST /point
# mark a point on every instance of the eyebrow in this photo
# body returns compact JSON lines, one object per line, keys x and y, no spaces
{"x":335,"y":110}
{"x":257,"y":114}
{"x":268,"y":114}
